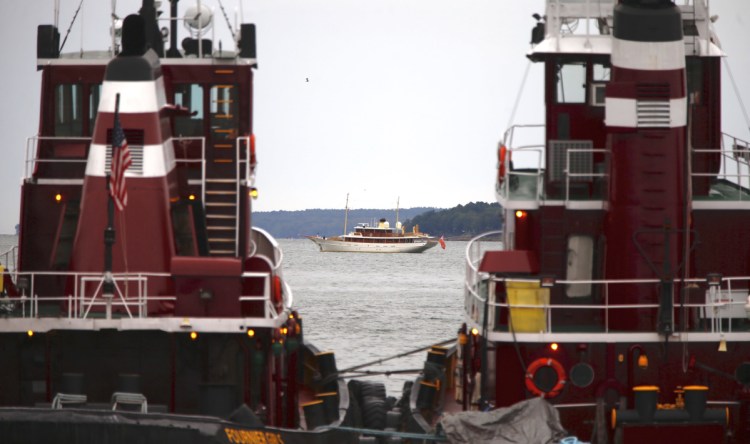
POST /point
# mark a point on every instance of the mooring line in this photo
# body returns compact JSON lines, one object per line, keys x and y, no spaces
{"x":365,"y":373}
{"x":400,"y":355}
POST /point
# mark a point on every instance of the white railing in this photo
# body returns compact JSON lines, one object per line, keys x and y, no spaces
{"x":735,"y":164}
{"x":32,"y":153}
{"x":9,"y":259}
{"x":734,"y":168}
{"x":525,"y":155}
{"x":591,"y":176}
{"x":131,"y":294}
{"x":183,"y":143}
{"x":564,"y":17}
{"x":723,"y":302}
{"x":33,"y":158}
{"x":475,"y":282}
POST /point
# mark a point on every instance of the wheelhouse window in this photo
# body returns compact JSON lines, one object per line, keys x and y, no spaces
{"x":224,"y":112}
{"x":601,"y":73}
{"x":571,"y":82}
{"x":95,"y":92}
{"x":600,"y":77}
{"x":69,"y":110}
{"x":189,"y":96}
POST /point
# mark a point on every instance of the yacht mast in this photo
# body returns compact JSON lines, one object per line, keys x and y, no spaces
{"x":397,"y":201}
{"x":346,"y":212}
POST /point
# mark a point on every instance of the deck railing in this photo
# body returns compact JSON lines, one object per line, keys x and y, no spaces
{"x":734,"y":167}
{"x":73,"y":151}
{"x":9,"y":259}
{"x":524,"y":186}
{"x":523,"y":164}
{"x":76,"y":153}
{"x":132,"y":294}
{"x":715,"y":306}
{"x":183,"y":157}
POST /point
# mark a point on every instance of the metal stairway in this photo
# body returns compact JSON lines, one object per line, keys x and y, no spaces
{"x":223,"y":175}
{"x":222,"y":211}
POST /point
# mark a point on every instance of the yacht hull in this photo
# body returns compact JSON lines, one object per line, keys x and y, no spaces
{"x":340,"y":246}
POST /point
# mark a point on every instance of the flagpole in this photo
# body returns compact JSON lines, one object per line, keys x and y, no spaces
{"x":108,"y":289}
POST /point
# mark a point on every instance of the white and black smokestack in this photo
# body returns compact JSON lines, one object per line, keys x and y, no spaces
{"x":646,"y":116}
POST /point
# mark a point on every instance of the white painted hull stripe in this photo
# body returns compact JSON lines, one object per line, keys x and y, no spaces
{"x":135,"y":97}
{"x":158,"y":161}
{"x":624,"y":113}
{"x":648,"y":56}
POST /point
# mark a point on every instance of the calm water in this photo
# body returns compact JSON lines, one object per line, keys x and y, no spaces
{"x":366,"y":307}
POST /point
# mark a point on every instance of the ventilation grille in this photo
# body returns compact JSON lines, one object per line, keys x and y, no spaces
{"x":135,"y":140}
{"x":581,"y":162}
{"x":136,"y":154}
{"x":652,"y":105}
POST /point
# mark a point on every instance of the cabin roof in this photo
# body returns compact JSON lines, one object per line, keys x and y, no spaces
{"x":512,"y":261}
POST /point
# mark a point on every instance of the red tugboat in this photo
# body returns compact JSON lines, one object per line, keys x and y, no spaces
{"x":619,"y":297}
{"x":166,"y":318}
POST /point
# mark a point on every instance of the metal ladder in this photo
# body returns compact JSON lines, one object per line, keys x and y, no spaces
{"x":222,"y":203}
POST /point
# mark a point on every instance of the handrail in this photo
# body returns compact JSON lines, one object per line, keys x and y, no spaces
{"x":278,"y":253}
{"x":32,"y":159}
{"x":715,"y":310}
{"x":188,"y":160}
{"x":734,"y":153}
{"x":9,"y":259}
{"x":569,"y":175}
{"x":470,"y":246}
{"x":86,"y":294}
{"x":538,"y":149}
{"x":473,"y":248}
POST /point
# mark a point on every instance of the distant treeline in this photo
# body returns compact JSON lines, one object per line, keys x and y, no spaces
{"x":294,"y":224}
{"x":462,"y":221}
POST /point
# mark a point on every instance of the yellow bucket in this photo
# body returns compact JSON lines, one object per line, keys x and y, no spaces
{"x":527,"y":319}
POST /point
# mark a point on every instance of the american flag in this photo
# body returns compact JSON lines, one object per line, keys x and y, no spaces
{"x":121,"y":161}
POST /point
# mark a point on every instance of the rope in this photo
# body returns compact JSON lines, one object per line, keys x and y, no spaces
{"x":518,"y":97}
{"x":416,"y":436}
{"x":229,"y":24}
{"x":400,"y":355}
{"x":70,"y":27}
{"x":365,"y":373}
{"x":737,"y":94}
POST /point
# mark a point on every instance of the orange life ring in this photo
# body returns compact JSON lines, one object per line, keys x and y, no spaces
{"x":545,"y":362}
{"x":252,"y":150}
{"x":277,"y":290}
{"x":502,"y":153}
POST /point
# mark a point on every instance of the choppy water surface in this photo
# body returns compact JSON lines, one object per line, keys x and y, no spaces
{"x":366,"y":307}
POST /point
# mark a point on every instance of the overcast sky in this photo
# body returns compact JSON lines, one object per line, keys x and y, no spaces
{"x":377,"y":98}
